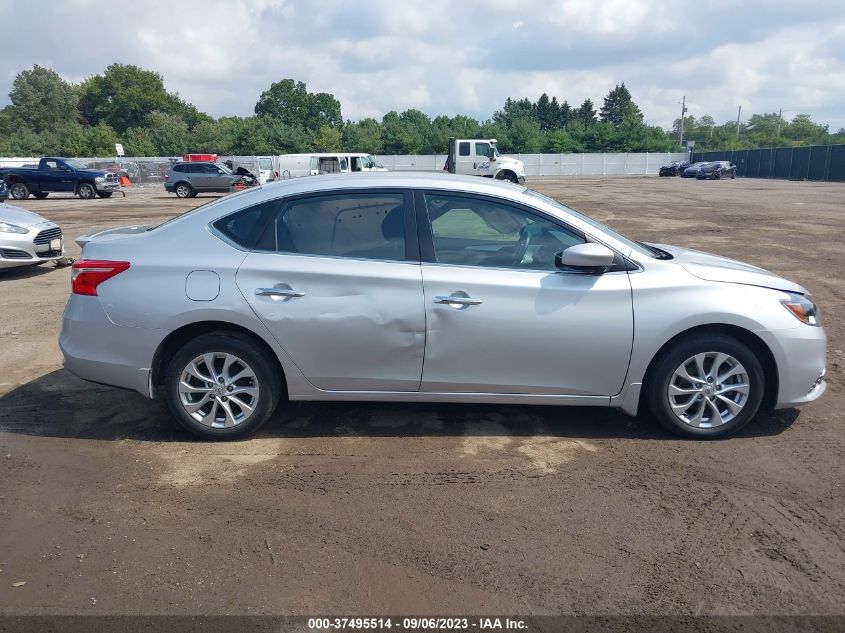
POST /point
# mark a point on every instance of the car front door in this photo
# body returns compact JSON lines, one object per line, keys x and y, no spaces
{"x":217,"y":179}
{"x":56,"y":176}
{"x":501,"y":318}
{"x":336,"y":279}
{"x":482,"y":164}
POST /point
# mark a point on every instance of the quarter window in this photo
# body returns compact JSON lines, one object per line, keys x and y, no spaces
{"x":360,"y":226}
{"x":471,"y":231}
{"x":243,"y":227}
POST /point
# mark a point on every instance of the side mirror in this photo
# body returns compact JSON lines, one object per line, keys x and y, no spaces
{"x":491,"y":154}
{"x":585,"y":258}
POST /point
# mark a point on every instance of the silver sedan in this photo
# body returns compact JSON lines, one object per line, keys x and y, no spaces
{"x":27,"y":239}
{"x":430,"y":288}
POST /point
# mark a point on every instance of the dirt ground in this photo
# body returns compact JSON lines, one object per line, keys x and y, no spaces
{"x":106,"y":507}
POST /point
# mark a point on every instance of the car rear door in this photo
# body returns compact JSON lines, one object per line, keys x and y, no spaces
{"x":499,"y":320}
{"x":336,"y":278}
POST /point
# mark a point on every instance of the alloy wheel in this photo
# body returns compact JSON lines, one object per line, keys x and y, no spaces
{"x":218,"y":390}
{"x":708,"y":390}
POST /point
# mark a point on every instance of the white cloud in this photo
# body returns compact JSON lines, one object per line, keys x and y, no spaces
{"x":445,"y":58}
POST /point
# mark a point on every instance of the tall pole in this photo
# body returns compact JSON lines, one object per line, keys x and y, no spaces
{"x":683,"y":110}
{"x":780,"y":118}
{"x":738,"y":113}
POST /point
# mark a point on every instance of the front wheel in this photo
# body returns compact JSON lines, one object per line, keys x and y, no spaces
{"x":222,"y":386}
{"x":105,"y":194}
{"x":19,"y":191}
{"x":86,"y":191}
{"x":706,"y":387}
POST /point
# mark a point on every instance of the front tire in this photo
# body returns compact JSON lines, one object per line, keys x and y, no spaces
{"x":86,"y":190}
{"x":510,"y":177}
{"x":19,"y":191}
{"x":222,"y":386}
{"x":706,"y":387}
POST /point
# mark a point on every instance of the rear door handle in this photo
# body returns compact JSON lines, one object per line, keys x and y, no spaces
{"x":457,"y":300}
{"x":278,"y":292}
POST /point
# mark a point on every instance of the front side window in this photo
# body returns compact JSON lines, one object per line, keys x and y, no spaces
{"x":360,"y":226}
{"x":212,"y":169}
{"x":470,"y":231}
{"x":265,"y":164}
{"x":482,"y":149}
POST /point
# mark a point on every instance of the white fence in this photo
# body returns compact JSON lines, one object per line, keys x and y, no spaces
{"x":639,"y":164}
{"x":151,"y":169}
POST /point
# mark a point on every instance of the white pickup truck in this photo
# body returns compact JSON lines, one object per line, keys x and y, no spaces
{"x":480,"y":157}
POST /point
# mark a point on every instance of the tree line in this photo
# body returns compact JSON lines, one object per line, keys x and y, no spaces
{"x":130,"y":105}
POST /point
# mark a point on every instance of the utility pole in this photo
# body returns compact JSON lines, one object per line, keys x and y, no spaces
{"x":780,"y":118}
{"x":683,"y":111}
{"x":738,"y":113}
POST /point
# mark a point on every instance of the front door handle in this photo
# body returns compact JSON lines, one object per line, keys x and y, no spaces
{"x":457,"y":300}
{"x":278,"y":292}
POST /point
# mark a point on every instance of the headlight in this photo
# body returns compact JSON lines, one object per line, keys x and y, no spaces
{"x":802,"y":307}
{"x":99,"y":179}
{"x":5,"y":227}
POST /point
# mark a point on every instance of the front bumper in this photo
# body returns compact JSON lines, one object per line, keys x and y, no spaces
{"x":711,"y":175}
{"x":521,"y":180}
{"x":96,"y":349}
{"x":42,"y":243}
{"x":800,"y":354}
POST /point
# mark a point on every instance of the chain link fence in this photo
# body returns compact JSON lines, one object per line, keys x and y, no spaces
{"x":813,"y":162}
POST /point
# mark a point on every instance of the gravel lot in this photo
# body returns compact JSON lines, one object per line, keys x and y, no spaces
{"x":106,"y":507}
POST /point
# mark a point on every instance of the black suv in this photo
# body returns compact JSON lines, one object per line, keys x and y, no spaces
{"x":675,"y":168}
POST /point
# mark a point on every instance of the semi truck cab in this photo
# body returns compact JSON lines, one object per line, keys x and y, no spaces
{"x":481,"y":157}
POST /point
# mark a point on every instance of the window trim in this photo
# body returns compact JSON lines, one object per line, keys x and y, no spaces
{"x":426,"y":237}
{"x":412,"y":251}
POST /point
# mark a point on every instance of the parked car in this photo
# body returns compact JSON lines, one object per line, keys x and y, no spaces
{"x":27,"y":239}
{"x":431,"y":288}
{"x":692,"y":170}
{"x":716,"y":170}
{"x":59,"y":175}
{"x":675,"y":168}
{"x":187,"y":179}
{"x":4,"y":191}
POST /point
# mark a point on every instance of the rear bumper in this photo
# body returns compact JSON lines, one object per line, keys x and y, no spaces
{"x":168,"y":187}
{"x":96,"y":349}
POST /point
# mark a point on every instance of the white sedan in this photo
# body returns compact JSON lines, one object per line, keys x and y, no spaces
{"x":27,"y":239}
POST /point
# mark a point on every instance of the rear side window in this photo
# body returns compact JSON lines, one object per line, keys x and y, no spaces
{"x":359,"y":226}
{"x":244,"y":227}
{"x":463,"y":148}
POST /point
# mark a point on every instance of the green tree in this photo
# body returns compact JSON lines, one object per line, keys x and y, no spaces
{"x":586,"y":114}
{"x":362,"y":136}
{"x":42,"y":100}
{"x":289,"y":102}
{"x":328,"y":139}
{"x":618,"y":105}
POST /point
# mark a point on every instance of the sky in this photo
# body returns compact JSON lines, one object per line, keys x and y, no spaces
{"x":453,"y":56}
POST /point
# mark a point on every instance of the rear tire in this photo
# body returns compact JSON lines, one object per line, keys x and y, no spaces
{"x":230,"y":407}
{"x":723,"y":395}
{"x":105,"y":194}
{"x":183,"y":190}
{"x":19,"y":191}
{"x":86,"y":190}
{"x":40,"y":194}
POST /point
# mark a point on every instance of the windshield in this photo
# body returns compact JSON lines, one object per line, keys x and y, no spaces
{"x":638,"y":247}
{"x":74,"y":164}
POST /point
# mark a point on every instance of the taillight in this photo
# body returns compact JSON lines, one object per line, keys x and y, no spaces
{"x":166,"y":177}
{"x":87,"y":274}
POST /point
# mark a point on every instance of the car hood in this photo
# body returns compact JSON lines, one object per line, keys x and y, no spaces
{"x":715,"y":268}
{"x":106,"y":234}
{"x":19,"y":217}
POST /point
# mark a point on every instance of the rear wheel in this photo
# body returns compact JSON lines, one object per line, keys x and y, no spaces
{"x":183,"y":190}
{"x":86,"y":190}
{"x":706,"y":387}
{"x":40,"y":194}
{"x":19,"y":191}
{"x":222,"y":386}
{"x":105,"y":194}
